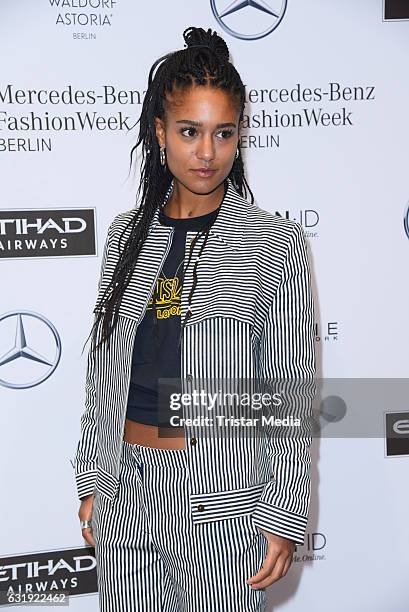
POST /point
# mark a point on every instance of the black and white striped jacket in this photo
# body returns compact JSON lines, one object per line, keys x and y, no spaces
{"x":252,"y":318}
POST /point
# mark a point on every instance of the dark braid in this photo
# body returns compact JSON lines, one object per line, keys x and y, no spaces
{"x":205,"y":232}
{"x":204,"y":62}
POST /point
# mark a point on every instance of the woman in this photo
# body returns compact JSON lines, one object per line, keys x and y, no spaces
{"x":197,"y":284}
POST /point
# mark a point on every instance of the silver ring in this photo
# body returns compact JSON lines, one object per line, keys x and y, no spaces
{"x":85,"y":524}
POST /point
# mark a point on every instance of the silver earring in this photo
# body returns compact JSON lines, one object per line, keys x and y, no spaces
{"x":237,"y":153}
{"x":162,"y":156}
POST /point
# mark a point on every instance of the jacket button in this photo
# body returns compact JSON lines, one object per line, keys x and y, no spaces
{"x":189,"y":378}
{"x":193,"y":441}
{"x":200,"y":507}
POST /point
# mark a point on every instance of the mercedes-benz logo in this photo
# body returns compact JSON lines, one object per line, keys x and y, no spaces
{"x":50,"y":352}
{"x":406,"y":220}
{"x":247,"y":19}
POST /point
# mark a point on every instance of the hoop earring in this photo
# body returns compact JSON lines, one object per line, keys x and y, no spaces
{"x":237,"y":154}
{"x":162,"y":156}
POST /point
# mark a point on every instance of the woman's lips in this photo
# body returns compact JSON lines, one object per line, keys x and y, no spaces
{"x":203,"y":172}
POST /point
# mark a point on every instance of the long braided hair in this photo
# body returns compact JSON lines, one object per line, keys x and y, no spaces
{"x":203,"y":62}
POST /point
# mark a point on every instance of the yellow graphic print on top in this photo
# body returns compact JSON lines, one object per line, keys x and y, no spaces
{"x":168,"y":296}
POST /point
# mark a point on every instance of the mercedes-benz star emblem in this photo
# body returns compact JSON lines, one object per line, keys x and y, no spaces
{"x":249,"y":19}
{"x":45,"y":334}
{"x":406,"y":220}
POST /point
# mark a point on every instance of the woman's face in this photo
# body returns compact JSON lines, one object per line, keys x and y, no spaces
{"x":200,"y":134}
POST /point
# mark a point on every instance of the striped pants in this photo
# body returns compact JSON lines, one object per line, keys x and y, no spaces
{"x":151,"y":557}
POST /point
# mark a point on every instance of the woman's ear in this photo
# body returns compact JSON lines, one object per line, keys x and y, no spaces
{"x":160,"y":132}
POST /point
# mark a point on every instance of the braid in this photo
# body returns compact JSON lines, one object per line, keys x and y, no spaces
{"x":203,"y":62}
{"x":205,"y":232}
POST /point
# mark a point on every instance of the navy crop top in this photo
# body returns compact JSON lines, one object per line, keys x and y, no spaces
{"x":156,"y":352}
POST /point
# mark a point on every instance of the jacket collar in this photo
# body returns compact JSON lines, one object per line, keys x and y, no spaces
{"x":229,"y":224}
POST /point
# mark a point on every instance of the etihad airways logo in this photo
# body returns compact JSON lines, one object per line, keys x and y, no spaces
{"x":248,"y":19}
{"x":30,"y":574}
{"x":397,"y":434}
{"x":55,"y":232}
{"x":395,"y":10}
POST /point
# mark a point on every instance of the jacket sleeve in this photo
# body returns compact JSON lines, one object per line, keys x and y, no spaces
{"x":287,"y":362}
{"x":85,"y":465}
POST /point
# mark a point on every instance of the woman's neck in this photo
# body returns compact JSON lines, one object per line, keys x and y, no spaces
{"x":183,"y":203}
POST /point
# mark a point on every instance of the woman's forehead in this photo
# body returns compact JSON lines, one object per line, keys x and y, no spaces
{"x":201,"y":101}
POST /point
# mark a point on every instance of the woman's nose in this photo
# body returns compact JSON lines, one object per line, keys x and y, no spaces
{"x":205,"y":150}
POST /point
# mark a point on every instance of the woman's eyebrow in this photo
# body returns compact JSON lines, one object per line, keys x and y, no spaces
{"x":199,"y":124}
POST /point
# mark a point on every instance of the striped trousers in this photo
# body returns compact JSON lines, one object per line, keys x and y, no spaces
{"x":150,"y":557}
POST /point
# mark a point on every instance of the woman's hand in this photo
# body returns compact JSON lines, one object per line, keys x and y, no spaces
{"x":276,"y":563}
{"x":85,"y":514}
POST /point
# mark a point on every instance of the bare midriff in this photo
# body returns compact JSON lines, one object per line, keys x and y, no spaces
{"x":153,"y":436}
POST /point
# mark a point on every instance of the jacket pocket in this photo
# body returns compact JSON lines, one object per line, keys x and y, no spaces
{"x":220,"y":505}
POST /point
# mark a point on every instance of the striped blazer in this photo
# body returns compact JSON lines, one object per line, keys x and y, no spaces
{"x":252,"y":319}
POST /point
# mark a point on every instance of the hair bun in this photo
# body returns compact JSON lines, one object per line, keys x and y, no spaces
{"x":198,"y":37}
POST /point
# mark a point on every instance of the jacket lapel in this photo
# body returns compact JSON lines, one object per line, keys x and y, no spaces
{"x":227,"y":230}
{"x":230,"y":221}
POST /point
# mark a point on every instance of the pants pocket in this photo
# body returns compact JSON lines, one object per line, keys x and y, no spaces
{"x":251,"y":524}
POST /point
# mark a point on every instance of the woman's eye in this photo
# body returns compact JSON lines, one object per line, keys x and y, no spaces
{"x":224,"y":134}
{"x":192,"y":132}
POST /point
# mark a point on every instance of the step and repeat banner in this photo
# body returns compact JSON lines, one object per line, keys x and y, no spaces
{"x":325,"y":140}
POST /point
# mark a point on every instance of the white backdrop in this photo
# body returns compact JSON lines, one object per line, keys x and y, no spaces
{"x":347,"y":184}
